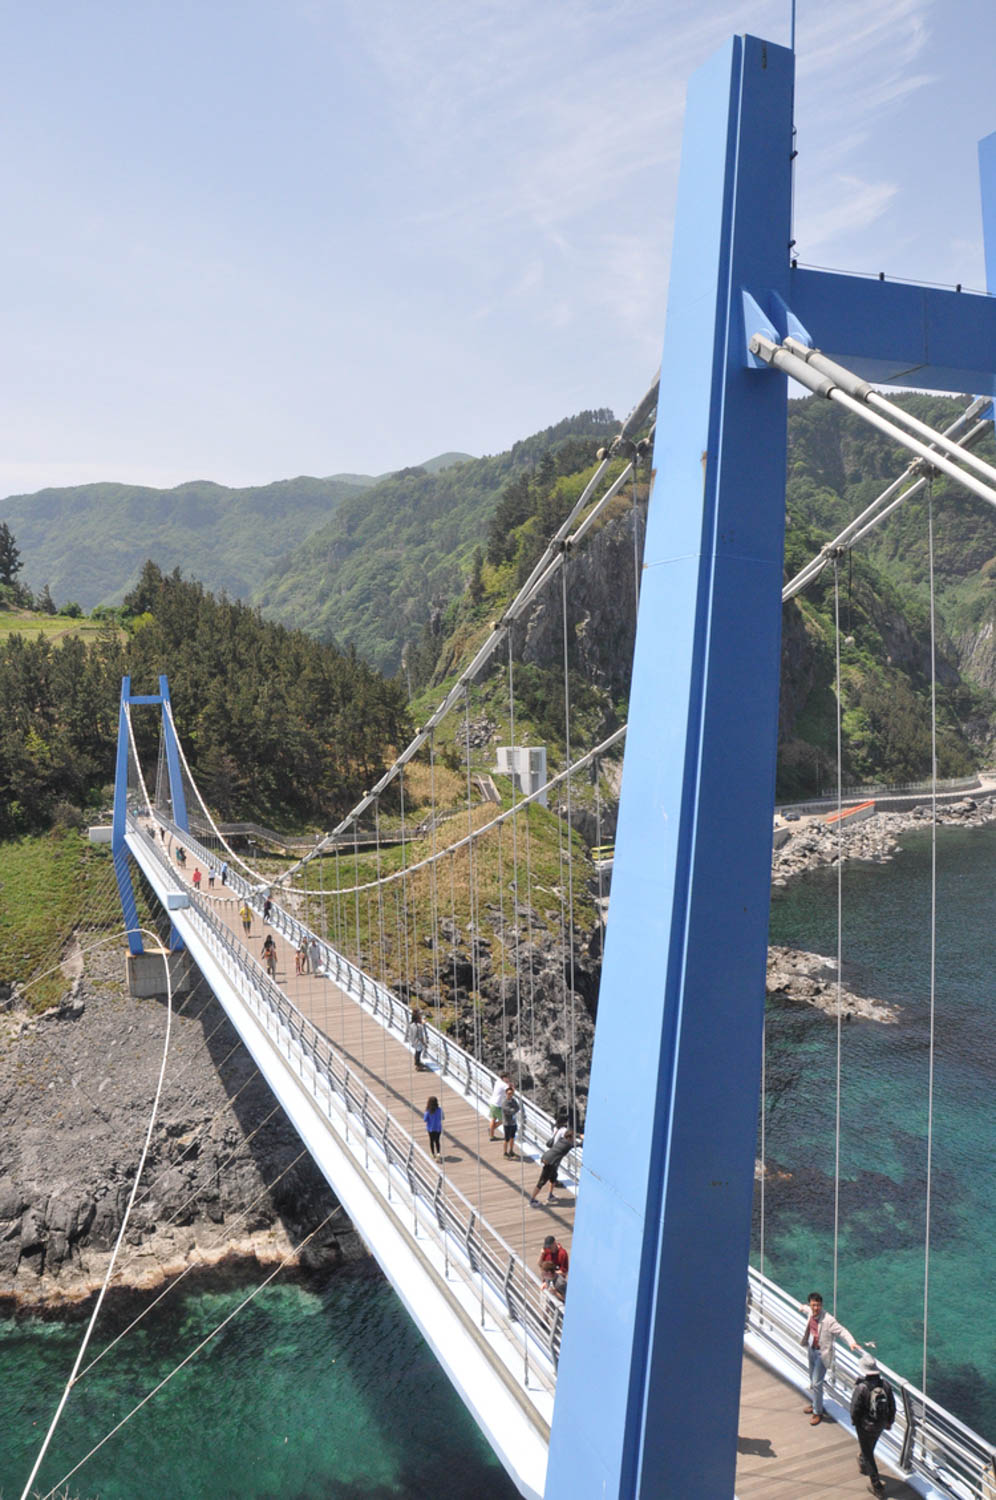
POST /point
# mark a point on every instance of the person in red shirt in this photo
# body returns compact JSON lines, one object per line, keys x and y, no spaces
{"x":197,"y":878}
{"x":553,"y":1260}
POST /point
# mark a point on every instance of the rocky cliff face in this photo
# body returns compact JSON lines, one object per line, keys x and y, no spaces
{"x":601,"y":608}
{"x":76,"y":1086}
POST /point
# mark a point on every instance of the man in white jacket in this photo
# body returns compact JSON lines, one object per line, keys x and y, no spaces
{"x":821,"y":1330}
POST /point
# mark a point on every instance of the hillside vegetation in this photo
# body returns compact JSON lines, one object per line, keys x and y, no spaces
{"x":391,"y":557}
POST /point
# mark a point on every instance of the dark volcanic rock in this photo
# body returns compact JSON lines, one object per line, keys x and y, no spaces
{"x":76,"y":1090}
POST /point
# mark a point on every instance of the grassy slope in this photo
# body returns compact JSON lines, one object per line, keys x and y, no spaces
{"x":49,"y":887}
{"x":54,"y":628}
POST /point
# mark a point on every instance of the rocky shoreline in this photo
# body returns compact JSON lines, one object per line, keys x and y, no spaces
{"x":226,"y":1179}
{"x":223,"y":1191}
{"x":809,"y":978}
{"x":812,"y":844}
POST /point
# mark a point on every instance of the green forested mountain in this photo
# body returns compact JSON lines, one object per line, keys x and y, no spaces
{"x":374,"y":574}
{"x":411,"y":570}
{"x":88,"y":542}
{"x":836,"y":466}
{"x":275,"y":724}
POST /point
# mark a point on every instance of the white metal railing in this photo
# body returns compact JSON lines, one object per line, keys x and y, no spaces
{"x":451,"y":1061}
{"x":925,"y":1440}
{"x":525,"y":1311}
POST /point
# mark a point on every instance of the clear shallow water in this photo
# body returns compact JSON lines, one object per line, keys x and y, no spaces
{"x":884,"y":1116}
{"x":326,"y":1394}
{"x":331,"y":1394}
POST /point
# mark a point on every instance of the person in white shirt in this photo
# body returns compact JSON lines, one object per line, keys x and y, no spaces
{"x":496,"y":1104}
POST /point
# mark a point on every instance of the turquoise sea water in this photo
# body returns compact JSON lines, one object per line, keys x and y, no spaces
{"x":329,"y":1393}
{"x":884,"y":1116}
{"x":311,"y":1393}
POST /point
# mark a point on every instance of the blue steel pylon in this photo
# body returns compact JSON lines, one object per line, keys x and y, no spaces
{"x":649,"y":1379}
{"x":119,"y":849}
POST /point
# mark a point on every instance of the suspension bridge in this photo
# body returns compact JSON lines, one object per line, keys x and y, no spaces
{"x":589,"y":1396}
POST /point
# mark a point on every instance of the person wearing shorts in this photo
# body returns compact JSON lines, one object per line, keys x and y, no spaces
{"x":495,"y":1105}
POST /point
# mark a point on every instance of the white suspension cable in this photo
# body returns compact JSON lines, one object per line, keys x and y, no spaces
{"x":551,"y":555}
{"x":840,"y":930}
{"x":861,"y":390}
{"x":933,"y":936}
{"x":254,"y":874}
{"x":53,"y":1492}
{"x":478,"y":833}
{"x":121,"y":1233}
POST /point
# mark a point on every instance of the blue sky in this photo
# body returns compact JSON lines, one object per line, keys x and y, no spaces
{"x":250,"y":240}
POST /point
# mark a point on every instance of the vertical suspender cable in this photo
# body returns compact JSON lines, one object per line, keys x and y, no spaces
{"x":473,"y":958}
{"x":359,"y":965}
{"x":840,"y":926}
{"x":434,"y":879}
{"x":636,"y":535}
{"x":933,"y":928}
{"x":572,"y":1075}
{"x":515,"y":868}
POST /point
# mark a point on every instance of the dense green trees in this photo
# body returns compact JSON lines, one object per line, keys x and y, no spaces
{"x":275,"y":724}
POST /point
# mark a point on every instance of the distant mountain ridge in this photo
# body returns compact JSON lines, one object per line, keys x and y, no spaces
{"x":373,"y":575}
{"x":88,"y":542}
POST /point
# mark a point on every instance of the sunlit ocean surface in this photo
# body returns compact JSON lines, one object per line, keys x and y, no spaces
{"x":884,"y":1110}
{"x":326,"y":1391}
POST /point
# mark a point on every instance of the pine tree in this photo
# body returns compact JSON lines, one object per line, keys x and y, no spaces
{"x":10,"y":557}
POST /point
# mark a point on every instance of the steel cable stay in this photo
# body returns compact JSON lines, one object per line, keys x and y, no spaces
{"x":889,"y":500}
{"x":933,"y":932}
{"x":288,"y":1259}
{"x":839,"y":386}
{"x":551,"y":560}
{"x":840,"y":927}
{"x":221,"y":1236}
{"x":571,"y":1034}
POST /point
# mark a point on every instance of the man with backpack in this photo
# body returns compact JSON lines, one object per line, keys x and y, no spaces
{"x":873,"y":1409}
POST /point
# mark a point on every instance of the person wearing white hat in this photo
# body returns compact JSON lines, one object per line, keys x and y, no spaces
{"x":873,"y":1409}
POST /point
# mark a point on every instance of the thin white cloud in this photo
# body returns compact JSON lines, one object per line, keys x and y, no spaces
{"x":851,"y":206}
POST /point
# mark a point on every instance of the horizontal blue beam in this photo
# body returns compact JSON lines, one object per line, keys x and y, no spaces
{"x":147,"y":698}
{"x":895,"y":334}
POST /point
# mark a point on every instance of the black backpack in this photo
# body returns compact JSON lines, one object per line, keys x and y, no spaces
{"x":881,"y":1404}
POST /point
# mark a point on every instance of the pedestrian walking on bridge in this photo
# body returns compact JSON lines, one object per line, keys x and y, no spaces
{"x":873,"y":1409}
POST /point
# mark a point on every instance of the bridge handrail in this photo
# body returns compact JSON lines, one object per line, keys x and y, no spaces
{"x":447,"y":1210}
{"x":452,"y":1061}
{"x":926,"y":1439}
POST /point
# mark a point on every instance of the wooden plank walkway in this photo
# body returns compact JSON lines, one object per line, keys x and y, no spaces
{"x":782,"y":1457}
{"x":498,"y":1189}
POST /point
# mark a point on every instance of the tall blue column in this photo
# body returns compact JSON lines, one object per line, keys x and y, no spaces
{"x":649,"y":1378}
{"x":987,"y":174}
{"x":119,"y":849}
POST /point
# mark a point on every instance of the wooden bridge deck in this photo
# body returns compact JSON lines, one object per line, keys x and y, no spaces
{"x":781,"y":1456}
{"x":497,"y":1188}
